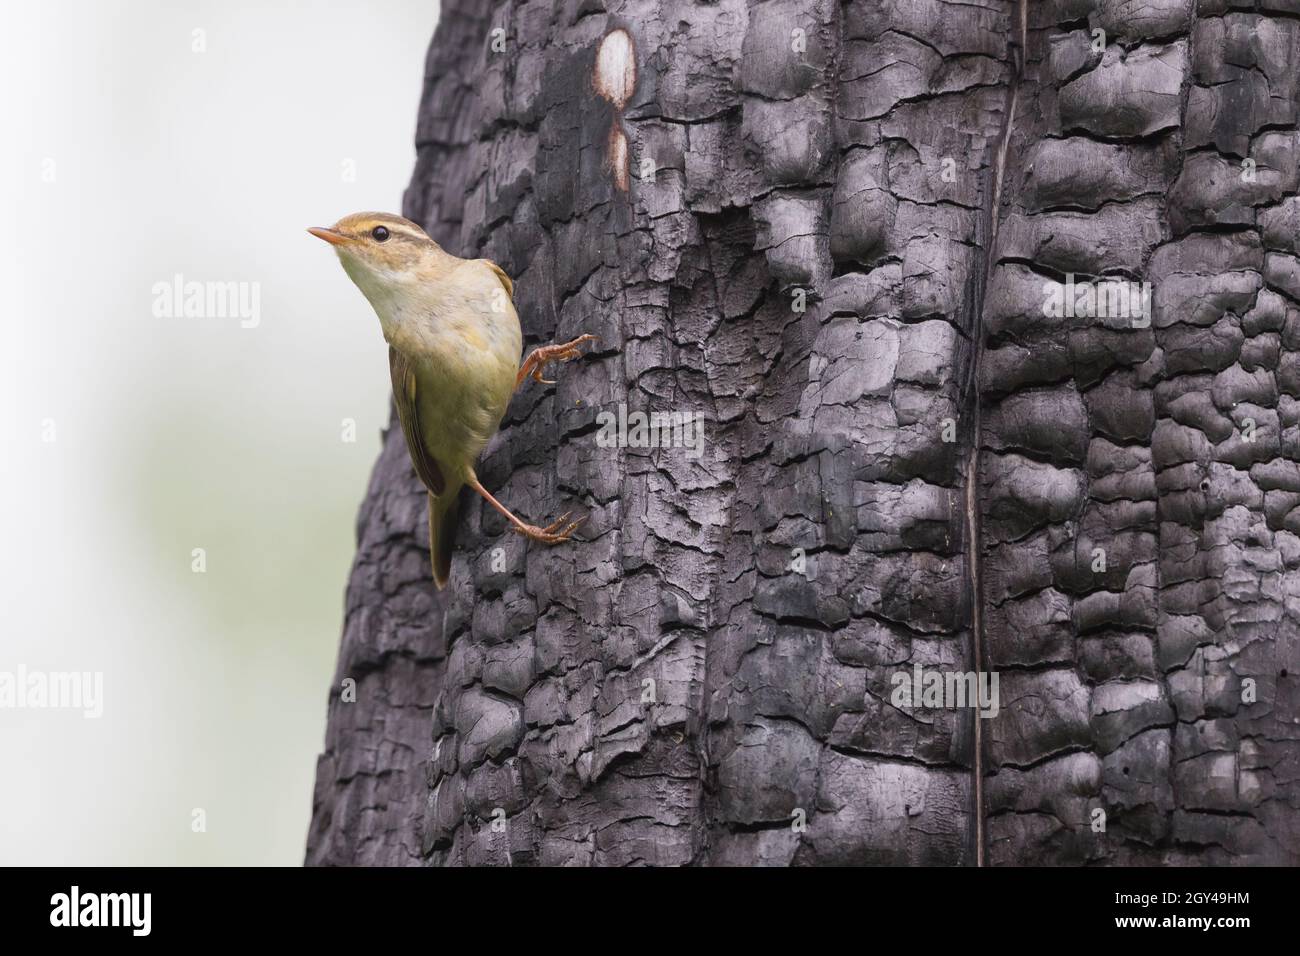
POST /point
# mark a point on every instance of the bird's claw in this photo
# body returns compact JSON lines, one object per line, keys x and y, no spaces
{"x":555,"y":532}
{"x":559,"y":353}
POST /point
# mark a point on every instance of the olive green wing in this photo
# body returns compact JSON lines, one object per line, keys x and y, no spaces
{"x":501,"y":275}
{"x":426,"y":466}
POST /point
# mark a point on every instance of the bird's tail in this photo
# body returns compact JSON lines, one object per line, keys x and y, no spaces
{"x":444,"y":515}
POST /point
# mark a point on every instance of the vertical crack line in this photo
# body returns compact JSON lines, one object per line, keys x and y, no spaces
{"x":974,"y":532}
{"x":700,"y":851}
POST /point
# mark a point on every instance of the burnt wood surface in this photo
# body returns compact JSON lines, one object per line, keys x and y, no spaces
{"x":828,"y":228}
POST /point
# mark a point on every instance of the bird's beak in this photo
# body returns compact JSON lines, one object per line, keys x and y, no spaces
{"x":329,"y":235}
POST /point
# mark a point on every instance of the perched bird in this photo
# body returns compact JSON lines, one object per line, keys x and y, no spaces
{"x":454,"y":346}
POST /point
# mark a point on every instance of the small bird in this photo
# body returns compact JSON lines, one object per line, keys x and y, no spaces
{"x":454,"y":346}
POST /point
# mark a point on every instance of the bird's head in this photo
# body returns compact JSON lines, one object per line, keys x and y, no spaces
{"x":382,"y":253}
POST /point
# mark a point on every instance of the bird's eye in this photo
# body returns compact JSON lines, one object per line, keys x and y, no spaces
{"x":380,"y":233}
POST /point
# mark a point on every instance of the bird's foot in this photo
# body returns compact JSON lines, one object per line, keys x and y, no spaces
{"x":553,"y":533}
{"x":544,"y":354}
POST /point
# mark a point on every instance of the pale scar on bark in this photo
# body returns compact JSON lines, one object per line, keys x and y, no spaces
{"x":615,"y":78}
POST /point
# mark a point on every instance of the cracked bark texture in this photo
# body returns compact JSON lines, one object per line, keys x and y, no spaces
{"x":830,"y":237}
{"x":1124,"y":686}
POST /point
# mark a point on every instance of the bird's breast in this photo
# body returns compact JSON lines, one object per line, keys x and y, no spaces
{"x":465,"y":357}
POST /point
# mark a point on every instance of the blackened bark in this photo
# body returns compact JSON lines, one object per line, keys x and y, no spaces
{"x":1140,"y":550}
{"x":826,"y":228}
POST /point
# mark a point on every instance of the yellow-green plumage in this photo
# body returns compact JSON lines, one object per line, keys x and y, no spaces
{"x":455,"y":346}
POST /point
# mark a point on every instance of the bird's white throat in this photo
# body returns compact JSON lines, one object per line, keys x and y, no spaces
{"x":396,"y":296}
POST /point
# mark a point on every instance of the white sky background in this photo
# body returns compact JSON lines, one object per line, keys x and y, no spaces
{"x":172,"y":433}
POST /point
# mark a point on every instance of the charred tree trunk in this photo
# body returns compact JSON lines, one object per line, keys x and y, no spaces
{"x":830,"y":229}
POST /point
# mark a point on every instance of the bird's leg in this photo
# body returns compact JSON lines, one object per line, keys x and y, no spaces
{"x":549,"y":353}
{"x":553,"y":533}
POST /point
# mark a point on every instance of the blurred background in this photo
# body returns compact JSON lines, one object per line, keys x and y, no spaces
{"x":145,"y":140}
